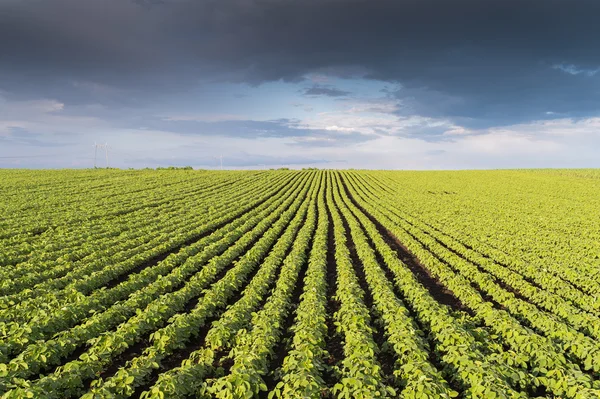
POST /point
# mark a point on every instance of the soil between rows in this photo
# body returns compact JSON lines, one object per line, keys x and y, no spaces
{"x":434,"y":356}
{"x":138,"y":347}
{"x":384,"y":358}
{"x":333,"y":341}
{"x":436,"y":288}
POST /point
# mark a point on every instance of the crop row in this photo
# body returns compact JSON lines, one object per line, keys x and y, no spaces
{"x":546,"y":361}
{"x":61,"y":316}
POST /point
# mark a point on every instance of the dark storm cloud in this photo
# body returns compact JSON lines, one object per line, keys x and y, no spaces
{"x":320,"y":90}
{"x":481,"y":62}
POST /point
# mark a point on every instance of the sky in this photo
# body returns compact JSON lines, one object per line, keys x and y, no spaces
{"x":378,"y":84}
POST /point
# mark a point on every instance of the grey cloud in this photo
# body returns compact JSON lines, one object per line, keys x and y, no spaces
{"x":482,"y":62}
{"x":435,"y":152}
{"x":320,"y":90}
{"x":305,"y":107}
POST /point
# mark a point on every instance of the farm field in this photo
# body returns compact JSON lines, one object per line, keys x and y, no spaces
{"x":299,"y":284}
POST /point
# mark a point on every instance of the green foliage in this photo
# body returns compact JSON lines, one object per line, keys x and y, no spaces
{"x":175,"y":168}
{"x":417,"y":285}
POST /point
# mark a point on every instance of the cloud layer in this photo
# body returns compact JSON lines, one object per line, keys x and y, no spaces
{"x":313,"y":74}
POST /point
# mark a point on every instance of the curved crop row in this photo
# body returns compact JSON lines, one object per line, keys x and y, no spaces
{"x":360,"y":374}
{"x":303,"y":367}
{"x":418,"y":377}
{"x":18,"y":335}
{"x":184,"y":327}
{"x":254,"y":347}
{"x":548,"y":365}
{"x":69,"y":377}
{"x":43,"y":354}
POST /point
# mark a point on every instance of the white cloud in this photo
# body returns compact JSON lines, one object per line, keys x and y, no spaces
{"x":374,"y":116}
{"x":458,"y":131}
{"x":405,"y":142}
{"x":44,"y":117}
{"x":383,"y":106}
{"x":560,"y":127}
{"x":574,"y":70}
{"x":507,"y":143}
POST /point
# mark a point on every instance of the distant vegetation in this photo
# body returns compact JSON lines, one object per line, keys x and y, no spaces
{"x":174,"y":168}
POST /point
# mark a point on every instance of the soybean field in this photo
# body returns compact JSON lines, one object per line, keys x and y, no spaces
{"x":299,"y":284}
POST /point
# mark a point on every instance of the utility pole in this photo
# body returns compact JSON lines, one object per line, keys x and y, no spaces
{"x":220,"y":157}
{"x":101,"y":146}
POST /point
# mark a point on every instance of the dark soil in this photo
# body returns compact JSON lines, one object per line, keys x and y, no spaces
{"x":423,"y":275}
{"x":333,"y":342}
{"x":385,"y":358}
{"x":282,"y":348}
